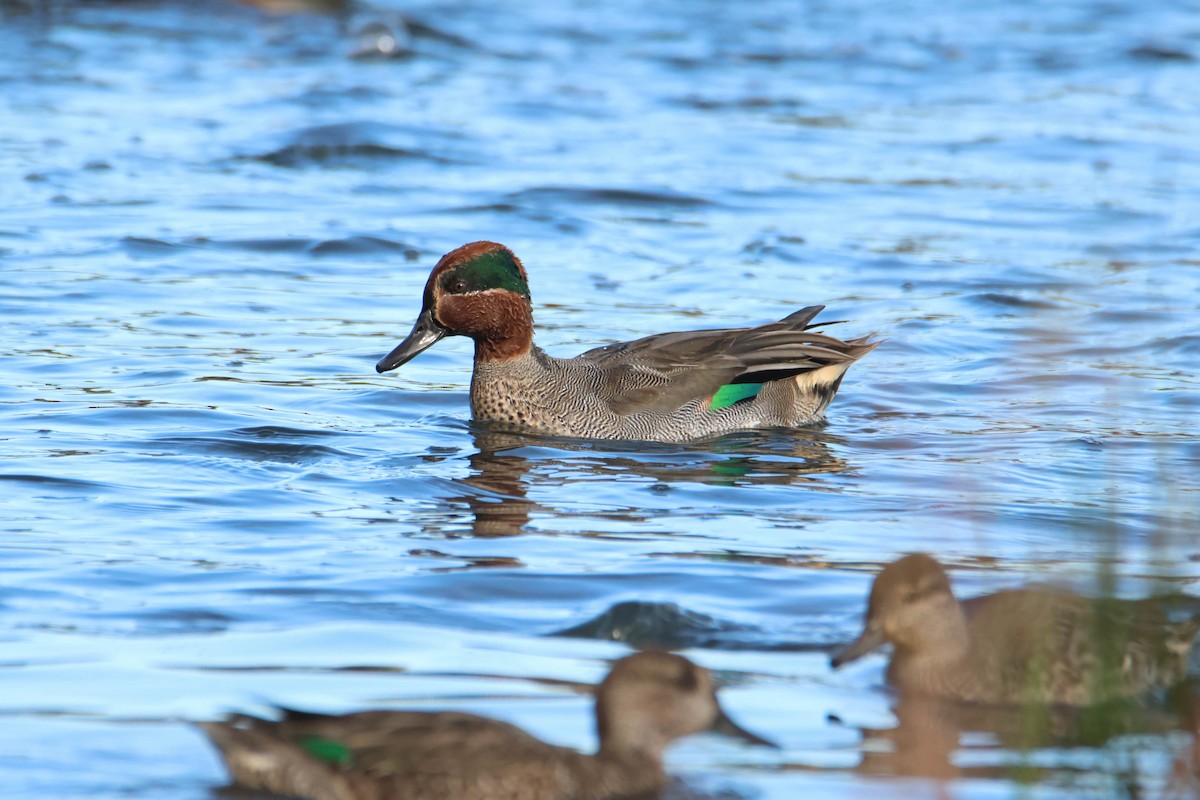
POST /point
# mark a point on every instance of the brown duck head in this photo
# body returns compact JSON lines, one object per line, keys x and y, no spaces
{"x":911,"y":607}
{"x":478,"y":290}
{"x":651,"y":698}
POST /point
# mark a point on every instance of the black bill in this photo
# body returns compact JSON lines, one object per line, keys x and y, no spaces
{"x":727,"y":727}
{"x":424,"y":334}
{"x":871,"y":640}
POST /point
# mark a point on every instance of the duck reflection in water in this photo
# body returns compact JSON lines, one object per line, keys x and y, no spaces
{"x":506,"y":466}
{"x":933,"y":737}
{"x":1033,"y":666}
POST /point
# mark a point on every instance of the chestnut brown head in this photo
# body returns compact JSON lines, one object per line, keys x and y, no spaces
{"x":478,"y":290}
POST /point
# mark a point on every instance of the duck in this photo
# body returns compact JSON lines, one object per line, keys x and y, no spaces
{"x":648,"y":700}
{"x":1021,"y":646}
{"x":669,"y":387}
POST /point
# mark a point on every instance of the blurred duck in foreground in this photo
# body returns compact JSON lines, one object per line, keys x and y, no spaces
{"x":647,"y":701}
{"x":1020,"y":646}
{"x":670,"y":387}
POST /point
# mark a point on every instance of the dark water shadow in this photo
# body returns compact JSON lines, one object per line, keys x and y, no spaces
{"x":263,"y":443}
{"x":362,"y":143}
{"x":648,"y":624}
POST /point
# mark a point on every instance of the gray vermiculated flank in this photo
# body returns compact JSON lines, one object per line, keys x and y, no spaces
{"x":659,"y":388}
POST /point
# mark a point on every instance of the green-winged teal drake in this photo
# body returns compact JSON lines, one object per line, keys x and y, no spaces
{"x":647,"y":701}
{"x":668,"y":387}
{"x":1018,"y":646}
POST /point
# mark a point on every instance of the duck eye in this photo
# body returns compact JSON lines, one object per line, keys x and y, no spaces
{"x":457,"y":286}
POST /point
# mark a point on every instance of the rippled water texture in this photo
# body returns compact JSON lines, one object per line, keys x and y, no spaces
{"x":215,"y":220}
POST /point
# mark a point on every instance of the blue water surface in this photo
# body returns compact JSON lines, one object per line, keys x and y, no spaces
{"x":214,"y":220}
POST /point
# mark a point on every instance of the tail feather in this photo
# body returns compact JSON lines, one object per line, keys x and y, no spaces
{"x":820,"y":385}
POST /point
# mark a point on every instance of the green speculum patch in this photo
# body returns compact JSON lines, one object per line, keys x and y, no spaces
{"x":326,"y":750}
{"x":732,"y":393}
{"x":493,"y":270}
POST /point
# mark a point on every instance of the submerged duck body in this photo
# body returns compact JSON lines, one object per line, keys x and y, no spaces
{"x":1018,"y":646}
{"x":648,"y":700}
{"x":669,"y":387}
